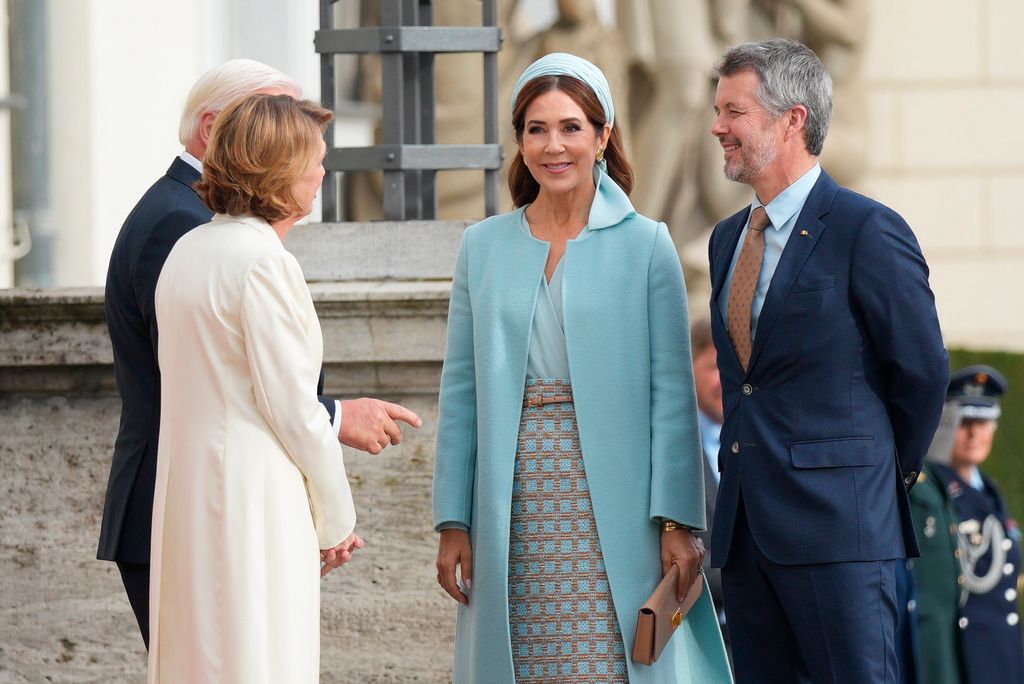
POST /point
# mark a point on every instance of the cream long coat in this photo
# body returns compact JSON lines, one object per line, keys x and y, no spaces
{"x":250,"y":480}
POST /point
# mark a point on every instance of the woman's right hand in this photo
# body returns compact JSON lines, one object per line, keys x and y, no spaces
{"x":454,"y":549}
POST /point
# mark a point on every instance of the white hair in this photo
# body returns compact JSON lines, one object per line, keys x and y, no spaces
{"x":223,"y":84}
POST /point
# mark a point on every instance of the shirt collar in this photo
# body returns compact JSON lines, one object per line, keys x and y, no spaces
{"x":791,"y":200}
{"x":975,"y":480}
{"x":192,"y":161}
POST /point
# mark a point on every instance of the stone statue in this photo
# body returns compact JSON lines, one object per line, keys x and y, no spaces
{"x":459,"y":92}
{"x":836,"y":31}
{"x":672,"y":46}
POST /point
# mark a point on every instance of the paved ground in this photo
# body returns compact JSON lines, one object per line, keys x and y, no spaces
{"x":64,"y":616}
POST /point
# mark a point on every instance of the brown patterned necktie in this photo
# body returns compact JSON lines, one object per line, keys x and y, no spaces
{"x":744,"y":285}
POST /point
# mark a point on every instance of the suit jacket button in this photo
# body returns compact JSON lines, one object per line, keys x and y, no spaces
{"x":910,"y":478}
{"x":735,"y":448}
{"x":747,"y":389}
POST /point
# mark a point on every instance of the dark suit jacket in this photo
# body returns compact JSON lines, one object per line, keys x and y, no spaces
{"x":168,"y":210}
{"x":827,"y":429}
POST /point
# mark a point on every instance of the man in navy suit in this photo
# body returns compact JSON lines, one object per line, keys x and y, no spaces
{"x":168,"y":210}
{"x":833,"y":373}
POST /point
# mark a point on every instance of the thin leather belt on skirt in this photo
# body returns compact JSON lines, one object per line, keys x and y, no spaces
{"x":530,"y":402}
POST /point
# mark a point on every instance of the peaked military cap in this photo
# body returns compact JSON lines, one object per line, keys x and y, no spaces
{"x":977,"y":390}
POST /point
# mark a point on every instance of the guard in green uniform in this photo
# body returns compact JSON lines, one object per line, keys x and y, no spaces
{"x":967,"y":575}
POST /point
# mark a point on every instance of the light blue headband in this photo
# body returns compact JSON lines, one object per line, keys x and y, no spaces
{"x":564,"y":64}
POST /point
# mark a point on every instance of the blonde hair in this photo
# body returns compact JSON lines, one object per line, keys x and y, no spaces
{"x":220,"y":86}
{"x":259,"y":148}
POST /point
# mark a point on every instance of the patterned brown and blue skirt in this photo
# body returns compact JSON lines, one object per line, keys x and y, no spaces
{"x":561,"y":615}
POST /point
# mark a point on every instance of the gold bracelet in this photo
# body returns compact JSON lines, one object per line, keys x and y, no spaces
{"x":671,"y":525}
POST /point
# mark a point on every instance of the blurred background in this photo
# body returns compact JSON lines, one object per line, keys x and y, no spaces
{"x":928,"y":95}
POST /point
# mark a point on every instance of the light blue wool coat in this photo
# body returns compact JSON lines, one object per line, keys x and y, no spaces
{"x":629,"y":356}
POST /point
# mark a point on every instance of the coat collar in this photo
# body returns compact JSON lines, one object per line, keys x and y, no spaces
{"x":259,"y":225}
{"x":183,"y":172}
{"x":611,"y":204}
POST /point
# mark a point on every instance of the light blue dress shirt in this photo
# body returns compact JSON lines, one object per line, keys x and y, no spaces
{"x":711,"y":440}
{"x":782,"y":212}
{"x":975,"y":480}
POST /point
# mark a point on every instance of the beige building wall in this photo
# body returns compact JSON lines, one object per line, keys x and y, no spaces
{"x":946,"y":84}
{"x":119,"y":70}
{"x":119,"y":74}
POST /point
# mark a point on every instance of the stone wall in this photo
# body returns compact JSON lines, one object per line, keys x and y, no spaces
{"x":63,"y":614}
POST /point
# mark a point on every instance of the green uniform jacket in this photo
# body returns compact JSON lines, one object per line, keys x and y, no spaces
{"x":937,"y":579}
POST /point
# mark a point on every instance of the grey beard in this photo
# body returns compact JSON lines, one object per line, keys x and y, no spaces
{"x":748,"y":170}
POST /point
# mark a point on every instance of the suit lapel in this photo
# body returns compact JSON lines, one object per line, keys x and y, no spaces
{"x":730,"y":235}
{"x":794,"y":256}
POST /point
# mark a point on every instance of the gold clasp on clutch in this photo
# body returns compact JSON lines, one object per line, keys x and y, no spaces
{"x":677,"y":618}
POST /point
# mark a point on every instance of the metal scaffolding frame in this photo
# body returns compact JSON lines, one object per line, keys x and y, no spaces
{"x":409,"y":156}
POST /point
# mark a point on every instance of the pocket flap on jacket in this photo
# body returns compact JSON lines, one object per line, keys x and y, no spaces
{"x":815,"y":284}
{"x":835,"y":453}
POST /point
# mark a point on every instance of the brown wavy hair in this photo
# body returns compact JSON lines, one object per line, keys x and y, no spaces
{"x":521,"y":183}
{"x":260,"y":146}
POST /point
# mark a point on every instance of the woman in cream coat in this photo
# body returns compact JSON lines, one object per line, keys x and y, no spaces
{"x":568,"y":461}
{"x":250,"y":480}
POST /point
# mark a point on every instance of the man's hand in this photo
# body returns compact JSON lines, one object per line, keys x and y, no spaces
{"x":682,"y":548}
{"x":371,"y":424}
{"x":454,"y":549}
{"x":336,"y":556}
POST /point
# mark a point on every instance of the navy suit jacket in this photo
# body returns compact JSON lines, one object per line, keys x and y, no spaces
{"x":168,"y":210}
{"x":826,"y":430}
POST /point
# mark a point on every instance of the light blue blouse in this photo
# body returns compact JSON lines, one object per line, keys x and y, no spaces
{"x":547,"y":355}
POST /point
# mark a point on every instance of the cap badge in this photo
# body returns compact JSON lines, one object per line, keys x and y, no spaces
{"x":974,"y":389}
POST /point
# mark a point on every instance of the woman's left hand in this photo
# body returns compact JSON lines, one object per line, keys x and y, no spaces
{"x":686,"y":551}
{"x":336,"y":556}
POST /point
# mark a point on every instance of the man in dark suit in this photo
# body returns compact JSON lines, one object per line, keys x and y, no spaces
{"x":168,"y":210}
{"x":833,"y":373}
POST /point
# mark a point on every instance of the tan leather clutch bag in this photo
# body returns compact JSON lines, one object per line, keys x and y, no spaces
{"x":659,"y":617}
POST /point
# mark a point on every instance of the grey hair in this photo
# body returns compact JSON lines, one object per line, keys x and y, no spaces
{"x":789,"y":74}
{"x":221,"y":85}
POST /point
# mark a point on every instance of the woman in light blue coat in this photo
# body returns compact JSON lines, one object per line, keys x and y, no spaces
{"x":568,"y":465}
